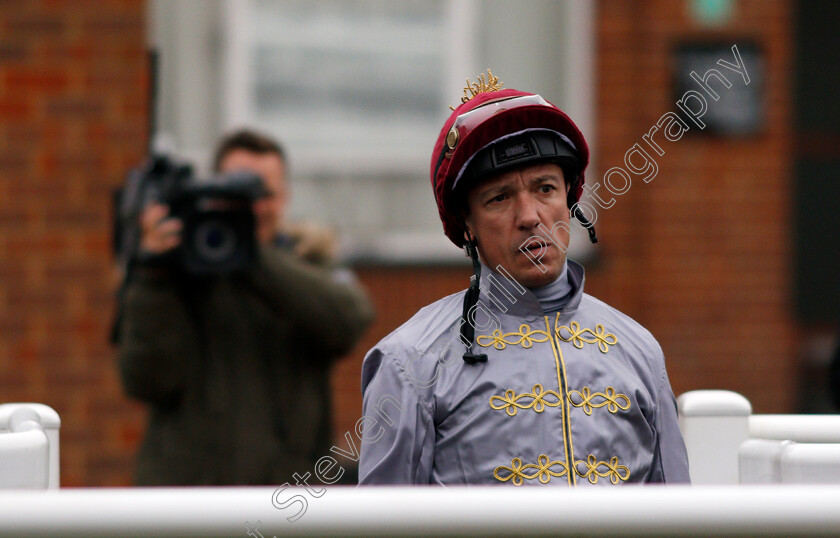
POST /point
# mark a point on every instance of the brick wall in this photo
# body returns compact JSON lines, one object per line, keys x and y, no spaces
{"x":701,"y":254}
{"x":72,"y":120}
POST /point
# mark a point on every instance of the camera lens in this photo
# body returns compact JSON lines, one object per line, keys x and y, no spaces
{"x":215,"y":240}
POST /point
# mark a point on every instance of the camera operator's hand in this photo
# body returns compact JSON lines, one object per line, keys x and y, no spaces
{"x":159,"y":234}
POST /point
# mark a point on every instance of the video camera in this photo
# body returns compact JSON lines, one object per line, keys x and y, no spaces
{"x":218,"y":234}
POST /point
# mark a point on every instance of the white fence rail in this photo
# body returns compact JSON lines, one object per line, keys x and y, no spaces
{"x":799,"y":428}
{"x":28,"y":446}
{"x":718,"y":427}
{"x":727,"y":444}
{"x":424,"y":511}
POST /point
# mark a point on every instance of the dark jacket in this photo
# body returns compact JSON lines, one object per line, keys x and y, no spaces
{"x":235,"y":369}
{"x":834,"y":377}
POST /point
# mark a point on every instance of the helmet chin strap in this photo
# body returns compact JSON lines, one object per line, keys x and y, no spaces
{"x":586,"y":224}
{"x":470,"y":300}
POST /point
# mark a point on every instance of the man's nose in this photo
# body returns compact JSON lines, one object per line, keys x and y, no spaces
{"x":527,"y":216}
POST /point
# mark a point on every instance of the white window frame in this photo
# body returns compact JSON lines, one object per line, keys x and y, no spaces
{"x":238,"y":78}
{"x":462,"y":37}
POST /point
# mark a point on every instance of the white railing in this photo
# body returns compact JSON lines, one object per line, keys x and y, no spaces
{"x":727,"y":444}
{"x":28,"y":446}
{"x":714,"y":423}
{"x":718,"y":426}
{"x":424,"y":511}
{"x":799,"y":428}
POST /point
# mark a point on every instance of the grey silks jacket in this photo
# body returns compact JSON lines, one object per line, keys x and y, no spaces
{"x":579,"y":396}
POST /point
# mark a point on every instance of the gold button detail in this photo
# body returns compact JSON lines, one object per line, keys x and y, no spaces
{"x":452,"y":138}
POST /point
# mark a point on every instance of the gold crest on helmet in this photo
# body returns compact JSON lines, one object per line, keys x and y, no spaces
{"x":481,"y":85}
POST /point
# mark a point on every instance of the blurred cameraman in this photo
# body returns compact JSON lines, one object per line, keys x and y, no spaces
{"x":235,"y":367}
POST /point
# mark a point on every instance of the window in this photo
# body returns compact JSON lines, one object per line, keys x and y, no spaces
{"x":347,"y":85}
{"x":357,"y":90}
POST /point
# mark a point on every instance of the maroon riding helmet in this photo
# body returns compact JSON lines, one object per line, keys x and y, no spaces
{"x":496,"y":131}
{"x":490,"y":133}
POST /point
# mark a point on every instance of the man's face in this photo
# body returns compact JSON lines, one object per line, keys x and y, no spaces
{"x":269,"y":211}
{"x":505,"y":213}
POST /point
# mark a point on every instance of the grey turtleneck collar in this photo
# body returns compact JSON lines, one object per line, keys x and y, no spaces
{"x":554,"y":296}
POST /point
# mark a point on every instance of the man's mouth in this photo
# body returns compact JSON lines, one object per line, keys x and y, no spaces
{"x":535,"y":247}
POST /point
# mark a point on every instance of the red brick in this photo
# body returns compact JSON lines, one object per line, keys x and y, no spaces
{"x":15,"y":108}
{"x":24,"y":80}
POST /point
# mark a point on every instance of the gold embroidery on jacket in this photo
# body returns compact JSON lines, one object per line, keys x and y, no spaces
{"x":545,"y":469}
{"x":577,"y":338}
{"x":613,"y":470}
{"x":543,"y":472}
{"x":525,"y":337}
{"x":610,"y":399}
{"x":510,"y":401}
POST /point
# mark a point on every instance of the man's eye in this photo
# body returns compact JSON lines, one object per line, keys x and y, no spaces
{"x":498,"y":198}
{"x":547,"y":188}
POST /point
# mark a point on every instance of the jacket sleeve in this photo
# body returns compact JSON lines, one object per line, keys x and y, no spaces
{"x":671,"y":465}
{"x":333,"y":311}
{"x":158,"y":338}
{"x":398,"y":430}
